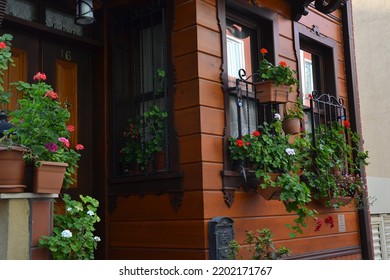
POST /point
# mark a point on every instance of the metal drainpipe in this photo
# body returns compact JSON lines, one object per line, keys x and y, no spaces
{"x":351,"y":74}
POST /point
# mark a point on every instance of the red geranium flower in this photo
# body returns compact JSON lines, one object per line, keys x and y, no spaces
{"x":256,"y":133}
{"x":263,"y":51}
{"x":283,"y":63}
{"x":239,"y":143}
{"x":3,"y":45}
{"x":346,"y":124}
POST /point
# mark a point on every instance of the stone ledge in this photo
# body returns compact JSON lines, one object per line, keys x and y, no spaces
{"x":27,"y":195}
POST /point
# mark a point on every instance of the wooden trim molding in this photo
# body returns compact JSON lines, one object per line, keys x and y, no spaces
{"x":328,"y":254}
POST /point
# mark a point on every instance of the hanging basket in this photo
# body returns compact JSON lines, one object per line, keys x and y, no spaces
{"x":269,"y":92}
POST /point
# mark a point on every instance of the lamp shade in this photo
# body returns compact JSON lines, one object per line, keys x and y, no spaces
{"x":84,"y":12}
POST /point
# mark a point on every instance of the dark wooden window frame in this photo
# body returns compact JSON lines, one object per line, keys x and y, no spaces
{"x":313,"y":41}
{"x":233,"y":180}
{"x":169,"y":181}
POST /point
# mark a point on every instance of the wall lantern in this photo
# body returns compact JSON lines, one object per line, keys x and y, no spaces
{"x":84,"y":10}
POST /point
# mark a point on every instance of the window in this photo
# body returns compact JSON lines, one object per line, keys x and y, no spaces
{"x":247,"y":28}
{"x":140,"y":97}
{"x":245,"y":33}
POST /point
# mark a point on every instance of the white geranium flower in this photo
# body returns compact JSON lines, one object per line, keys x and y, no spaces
{"x":277,"y":116}
{"x":97,"y":238}
{"x":69,"y":209}
{"x":90,"y":213}
{"x":66,"y":233}
{"x":290,"y":151}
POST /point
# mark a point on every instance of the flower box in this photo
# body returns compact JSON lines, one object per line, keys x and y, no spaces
{"x":329,"y":202}
{"x":49,"y":177}
{"x":269,"y":92}
{"x":270,"y":193}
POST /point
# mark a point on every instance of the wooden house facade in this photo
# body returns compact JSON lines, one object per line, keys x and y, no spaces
{"x":174,"y":55}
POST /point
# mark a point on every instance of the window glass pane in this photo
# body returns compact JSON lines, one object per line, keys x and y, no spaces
{"x":62,"y":21}
{"x":22,"y":9}
{"x":140,"y":99}
{"x":239,"y":42}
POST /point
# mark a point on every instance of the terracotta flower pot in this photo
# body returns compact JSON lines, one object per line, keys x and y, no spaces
{"x":49,"y":176}
{"x":270,"y":193}
{"x":269,"y":92}
{"x":12,"y":169}
{"x":291,"y":126}
{"x":329,"y":202}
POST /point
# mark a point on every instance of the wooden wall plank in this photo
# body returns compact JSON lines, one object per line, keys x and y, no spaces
{"x":156,"y":254}
{"x":157,"y":208}
{"x":211,"y":94}
{"x":185,"y":15}
{"x":212,"y":121}
{"x":188,"y":121}
{"x":158,"y":234}
{"x":211,"y":148}
{"x":206,"y":15}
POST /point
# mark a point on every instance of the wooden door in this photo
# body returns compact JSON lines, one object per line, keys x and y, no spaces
{"x":67,"y":67}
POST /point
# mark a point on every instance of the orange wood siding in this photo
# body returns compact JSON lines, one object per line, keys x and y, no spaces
{"x":148,"y":227}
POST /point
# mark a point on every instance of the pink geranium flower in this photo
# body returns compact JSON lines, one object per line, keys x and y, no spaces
{"x":3,"y":45}
{"x":40,"y":76}
{"x":79,"y":147}
{"x":64,"y":141}
{"x":51,"y":94}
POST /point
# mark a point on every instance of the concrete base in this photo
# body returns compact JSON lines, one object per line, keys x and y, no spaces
{"x":24,"y":218}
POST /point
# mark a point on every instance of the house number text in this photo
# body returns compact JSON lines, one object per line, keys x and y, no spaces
{"x":66,"y":54}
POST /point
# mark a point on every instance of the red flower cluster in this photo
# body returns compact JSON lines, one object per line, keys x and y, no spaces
{"x":328,"y":221}
{"x":40,"y":76}
{"x":283,"y":63}
{"x":3,"y":45}
{"x":346,"y":124}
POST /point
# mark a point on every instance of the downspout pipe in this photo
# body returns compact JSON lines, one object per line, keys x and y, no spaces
{"x":354,"y":109}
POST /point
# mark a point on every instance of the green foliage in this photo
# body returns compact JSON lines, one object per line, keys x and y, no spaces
{"x":73,"y":237}
{"x":261,"y":246}
{"x":41,"y":125}
{"x":337,"y":162}
{"x":5,"y":61}
{"x":330,"y":169}
{"x":295,"y":111}
{"x":280,"y":74}
{"x":144,"y":137}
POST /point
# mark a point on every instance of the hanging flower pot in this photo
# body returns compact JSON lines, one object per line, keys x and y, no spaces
{"x":269,"y":92}
{"x":49,"y":177}
{"x":329,"y":202}
{"x":270,"y":193}
{"x":12,"y":169}
{"x":291,"y":126}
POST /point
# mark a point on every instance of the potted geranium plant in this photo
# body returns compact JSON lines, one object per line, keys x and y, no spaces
{"x":293,"y":117}
{"x":144,"y":138}
{"x":276,"y":81}
{"x":334,"y":175}
{"x":12,"y":165}
{"x":278,"y":166}
{"x":41,"y":124}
